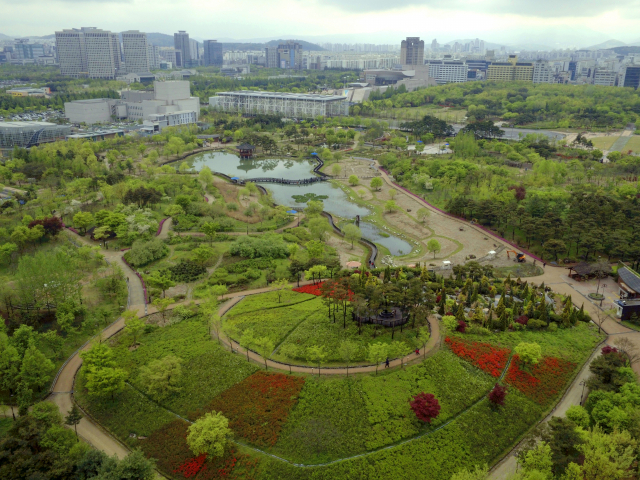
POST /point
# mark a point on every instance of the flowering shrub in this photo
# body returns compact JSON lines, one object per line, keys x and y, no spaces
{"x":462,"y":326}
{"x":496,"y":396}
{"x":522,"y":320}
{"x":425,"y":406}
{"x":311,"y":289}
{"x":542,"y":381}
{"x":192,"y":466}
{"x":258,"y":407}
{"x":486,"y":357}
{"x":168,"y":445}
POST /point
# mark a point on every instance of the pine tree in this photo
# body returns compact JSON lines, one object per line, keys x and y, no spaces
{"x":529,"y":311}
{"x":566,"y":312}
{"x":460,"y":313}
{"x":478,"y":316}
{"x":501,"y":307}
{"x":580,"y":314}
{"x":542,"y":309}
{"x":443,"y":302}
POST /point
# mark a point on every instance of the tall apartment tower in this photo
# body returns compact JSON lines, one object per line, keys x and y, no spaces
{"x":181,"y":42}
{"x":212,"y":53}
{"x":136,"y":51}
{"x":412,"y":51}
{"x":195,"y":52}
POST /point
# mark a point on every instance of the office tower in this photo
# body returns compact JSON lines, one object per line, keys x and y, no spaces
{"x":630,"y":76}
{"x":103,"y":53}
{"x":181,"y":43}
{"x":212,"y":53}
{"x":88,"y":52}
{"x":153,"y":55}
{"x":70,"y":50}
{"x":434,"y":44}
{"x":194,"y":52}
{"x":412,"y":51}
{"x":136,"y":55}
{"x":24,"y":50}
{"x":290,"y":55}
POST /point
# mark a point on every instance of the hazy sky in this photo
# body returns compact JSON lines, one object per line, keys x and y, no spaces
{"x":549,"y":22}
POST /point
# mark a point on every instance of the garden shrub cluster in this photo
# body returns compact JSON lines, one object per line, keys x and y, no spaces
{"x":265,"y":301}
{"x":541,"y":382}
{"x":142,"y":253}
{"x":268,"y":246}
{"x":253,"y":263}
{"x":186,"y":271}
{"x":258,"y":407}
{"x":486,"y":357}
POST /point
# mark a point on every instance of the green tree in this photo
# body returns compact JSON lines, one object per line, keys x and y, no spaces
{"x":423,"y":337}
{"x":162,"y":304}
{"x":353,"y":180}
{"x":433,"y":246}
{"x":160,"y":281}
{"x":347,"y":351}
{"x":316,"y":355}
{"x":422,"y":214}
{"x":314,"y":208}
{"x":390,"y":206}
{"x":105,"y":381}
{"x":319,"y":227}
{"x":280,"y":286}
{"x":607,"y":456}
{"x":161,"y":377}
{"x":265,"y":347}
{"x":36,"y":369}
{"x":209,"y":435}
{"x":336,"y":168}
{"x":352,"y":233}
{"x":377,"y":353}
{"x":54,"y":341}
{"x":73,"y":418}
{"x":538,"y":459}
{"x":83,"y":220}
{"x":133,"y":325}
{"x":98,"y":356}
{"x":478,"y":473}
{"x":202,"y":254}
{"x":210,"y":229}
{"x":376,"y":183}
{"x":529,"y":353}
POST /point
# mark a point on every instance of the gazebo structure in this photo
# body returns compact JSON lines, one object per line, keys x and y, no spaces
{"x":245,"y":150}
{"x":581,"y":271}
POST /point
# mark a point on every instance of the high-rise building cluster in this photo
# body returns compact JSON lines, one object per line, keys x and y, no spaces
{"x":95,"y":53}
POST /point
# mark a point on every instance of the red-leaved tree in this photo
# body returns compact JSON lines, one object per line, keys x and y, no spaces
{"x":496,"y":396}
{"x":607,"y":349}
{"x":425,"y":406}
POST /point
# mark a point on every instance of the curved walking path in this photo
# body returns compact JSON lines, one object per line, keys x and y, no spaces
{"x":63,"y":386}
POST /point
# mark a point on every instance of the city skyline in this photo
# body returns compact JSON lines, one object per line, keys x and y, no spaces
{"x":553,"y":26}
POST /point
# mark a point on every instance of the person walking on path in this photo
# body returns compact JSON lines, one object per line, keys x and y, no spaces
{"x":386,"y":363}
{"x":417,"y":351}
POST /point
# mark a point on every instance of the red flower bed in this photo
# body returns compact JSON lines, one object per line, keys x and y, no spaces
{"x":259,"y":406}
{"x":310,"y":289}
{"x":542,"y":382}
{"x":485,"y":356}
{"x":168,"y":445}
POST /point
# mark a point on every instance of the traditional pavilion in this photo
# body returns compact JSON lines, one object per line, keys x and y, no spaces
{"x":245,"y":150}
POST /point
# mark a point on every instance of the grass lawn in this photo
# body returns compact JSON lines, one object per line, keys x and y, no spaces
{"x":604,"y":143}
{"x":633,"y":144}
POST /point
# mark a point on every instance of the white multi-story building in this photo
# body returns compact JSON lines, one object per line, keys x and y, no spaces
{"x":542,"y":72}
{"x":448,"y":71}
{"x":167,"y":98}
{"x":294,"y":105}
{"x":136,"y":51}
{"x":605,"y":78}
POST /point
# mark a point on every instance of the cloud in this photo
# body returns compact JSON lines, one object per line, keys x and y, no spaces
{"x":539,"y":8}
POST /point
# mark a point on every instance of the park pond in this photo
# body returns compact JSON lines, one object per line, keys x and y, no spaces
{"x":336,"y":201}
